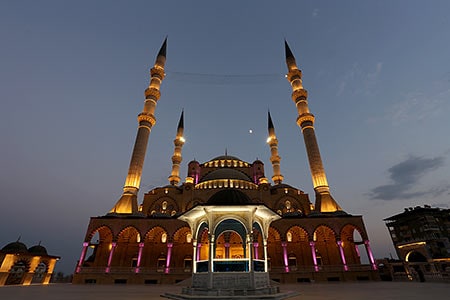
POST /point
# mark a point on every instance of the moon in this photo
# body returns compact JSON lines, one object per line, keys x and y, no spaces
{"x":250,"y":131}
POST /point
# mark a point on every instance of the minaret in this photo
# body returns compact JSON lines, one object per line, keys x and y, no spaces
{"x":127,"y":204}
{"x":305,"y":120}
{"x":174,"y":177}
{"x":272,"y":140}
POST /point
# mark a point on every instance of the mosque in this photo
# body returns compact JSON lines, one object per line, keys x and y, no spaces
{"x":20,"y":265}
{"x":226,"y":217}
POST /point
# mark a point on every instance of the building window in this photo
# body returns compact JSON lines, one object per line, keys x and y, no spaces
{"x":289,"y":236}
{"x":292,"y":262}
{"x":134,"y":262}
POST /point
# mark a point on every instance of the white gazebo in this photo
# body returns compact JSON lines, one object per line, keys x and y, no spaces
{"x":227,"y":259}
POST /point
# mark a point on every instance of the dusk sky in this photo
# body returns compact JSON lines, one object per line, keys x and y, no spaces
{"x":72,"y":81}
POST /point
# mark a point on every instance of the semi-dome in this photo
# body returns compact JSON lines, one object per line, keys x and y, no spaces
{"x":229,"y":197}
{"x":38,"y":250}
{"x":225,"y":173}
{"x":15,"y":247}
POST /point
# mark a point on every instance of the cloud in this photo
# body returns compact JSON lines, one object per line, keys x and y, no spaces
{"x":361,"y":80}
{"x":315,"y":12}
{"x":421,"y":105}
{"x":405,"y":175}
{"x":440,"y":205}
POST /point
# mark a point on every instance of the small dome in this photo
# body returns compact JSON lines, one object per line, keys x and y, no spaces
{"x":229,"y":197}
{"x":38,"y":250}
{"x":15,"y":247}
{"x":225,"y":173}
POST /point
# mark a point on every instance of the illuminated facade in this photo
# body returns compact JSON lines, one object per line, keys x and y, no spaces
{"x":156,"y":242}
{"x":20,"y":265}
{"x":421,"y":237}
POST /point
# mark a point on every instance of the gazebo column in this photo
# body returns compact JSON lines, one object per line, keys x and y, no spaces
{"x":211,"y":253}
{"x":194,"y":256}
{"x":82,"y":256}
{"x":285,"y":256}
{"x":370,"y":254}
{"x":169,"y":256}
{"x":250,"y":252}
{"x":139,"y":258}
{"x":341,"y":251}
{"x":266,"y":259}
{"x":211,"y":260}
{"x":111,"y":253}
{"x":312,"y":244}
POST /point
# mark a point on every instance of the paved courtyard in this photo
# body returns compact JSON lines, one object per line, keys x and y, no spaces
{"x":309,"y":291}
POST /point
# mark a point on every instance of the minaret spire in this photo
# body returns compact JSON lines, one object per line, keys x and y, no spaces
{"x":305,"y":120}
{"x":174,"y":177}
{"x":272,"y":140}
{"x":127,"y":204}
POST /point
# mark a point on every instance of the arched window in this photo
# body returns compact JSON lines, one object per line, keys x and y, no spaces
{"x":289,"y":236}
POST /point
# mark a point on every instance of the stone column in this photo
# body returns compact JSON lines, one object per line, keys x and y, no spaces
{"x":341,"y":251}
{"x":285,"y":256}
{"x":370,"y":254}
{"x":82,"y":256}
{"x":312,"y":244}
{"x":357,"y":250}
{"x":169,"y":256}
{"x":111,"y":253}
{"x":138,"y":263}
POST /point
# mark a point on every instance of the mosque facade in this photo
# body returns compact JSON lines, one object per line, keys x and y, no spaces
{"x":155,"y":242}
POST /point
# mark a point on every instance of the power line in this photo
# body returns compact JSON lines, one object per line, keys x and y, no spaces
{"x":223,"y":79}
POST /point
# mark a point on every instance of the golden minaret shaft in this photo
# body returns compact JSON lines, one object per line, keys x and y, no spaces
{"x":305,"y":120}
{"x":272,"y":140}
{"x":174,"y":177}
{"x":127,"y":204}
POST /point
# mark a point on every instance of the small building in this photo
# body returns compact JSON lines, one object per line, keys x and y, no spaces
{"x":421,"y":239}
{"x":20,"y":265}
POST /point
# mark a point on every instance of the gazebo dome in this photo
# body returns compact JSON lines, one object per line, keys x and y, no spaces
{"x":15,"y":247}
{"x":229,"y":197}
{"x":38,"y":250}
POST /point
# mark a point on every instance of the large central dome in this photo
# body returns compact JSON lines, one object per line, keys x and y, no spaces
{"x":226,"y":173}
